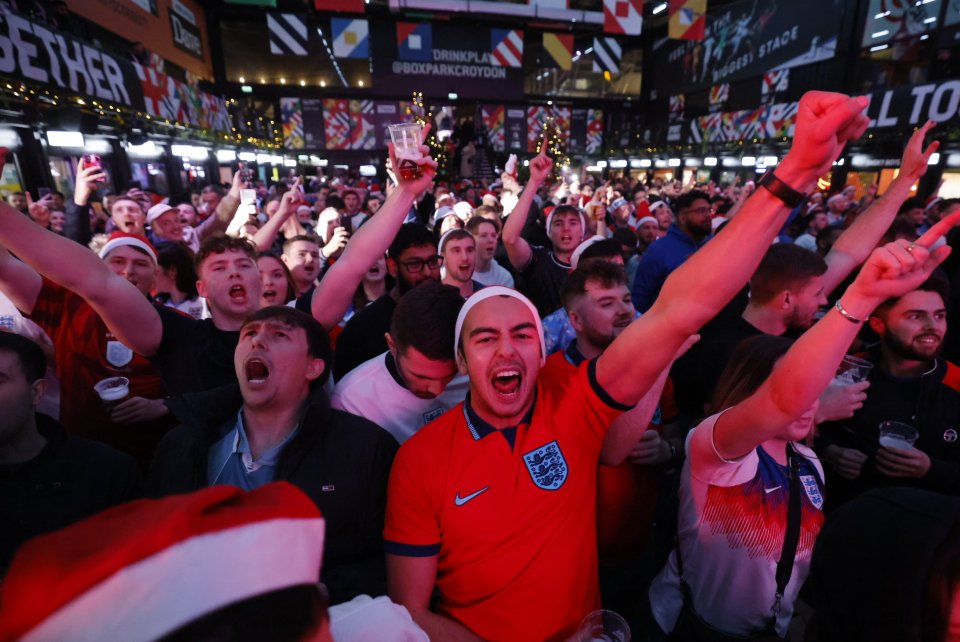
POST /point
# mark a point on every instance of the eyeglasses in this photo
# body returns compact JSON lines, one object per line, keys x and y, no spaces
{"x":415,"y":266}
{"x":706,"y":209}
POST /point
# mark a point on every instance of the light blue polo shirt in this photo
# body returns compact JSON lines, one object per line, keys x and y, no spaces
{"x":229,"y":461}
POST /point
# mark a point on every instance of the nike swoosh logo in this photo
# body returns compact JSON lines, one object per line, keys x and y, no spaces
{"x":460,"y":501}
{"x":770,"y":490}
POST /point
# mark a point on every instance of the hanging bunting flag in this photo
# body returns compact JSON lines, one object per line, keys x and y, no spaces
{"x":719,"y":95}
{"x":688,"y":19}
{"x":339,"y":6}
{"x":350,"y":38}
{"x":415,"y":41}
{"x":773,"y":83}
{"x":606,"y":55}
{"x":288,"y":34}
{"x":506,"y":47}
{"x":623,"y":16}
{"x":559,"y":50}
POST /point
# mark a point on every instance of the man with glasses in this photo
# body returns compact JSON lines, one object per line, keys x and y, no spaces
{"x":687,"y":234}
{"x":411,"y":259}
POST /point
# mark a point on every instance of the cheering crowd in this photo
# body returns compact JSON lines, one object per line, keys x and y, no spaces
{"x":512,"y":405}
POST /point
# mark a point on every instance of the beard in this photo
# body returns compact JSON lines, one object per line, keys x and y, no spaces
{"x":909,"y":350}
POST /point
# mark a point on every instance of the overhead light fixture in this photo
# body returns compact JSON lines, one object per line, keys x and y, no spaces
{"x":359,"y":83}
{"x":618,"y":164}
{"x":283,"y":81}
{"x":368,"y":170}
{"x":276,"y":160}
{"x":934,"y":158}
{"x":57,"y":138}
{"x":148,"y":148}
{"x":303,"y":83}
{"x":660,"y":8}
{"x":601,"y":163}
{"x":323,"y":83}
{"x":452,"y":96}
{"x":192,"y":152}
{"x":242,"y":80}
{"x":710,"y":161}
{"x":289,"y":162}
{"x":247,"y":89}
{"x":263,"y":158}
{"x":645,"y":162}
{"x":248,"y":157}
{"x":674,"y":162}
{"x":770,"y":161}
{"x":226,"y":155}
{"x":748,"y":161}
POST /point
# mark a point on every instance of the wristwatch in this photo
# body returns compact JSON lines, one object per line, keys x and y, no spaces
{"x":791,"y":197}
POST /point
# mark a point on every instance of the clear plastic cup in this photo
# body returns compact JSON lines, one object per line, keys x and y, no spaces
{"x":852,"y":370}
{"x":603,"y":626}
{"x":113,"y":390}
{"x":895,"y":434}
{"x":406,"y":147}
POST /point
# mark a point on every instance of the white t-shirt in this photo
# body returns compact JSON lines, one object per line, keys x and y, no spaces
{"x":496,"y":275}
{"x":732,"y":521}
{"x":371,"y":391}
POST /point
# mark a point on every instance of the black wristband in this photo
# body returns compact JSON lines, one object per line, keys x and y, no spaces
{"x":790,"y":197}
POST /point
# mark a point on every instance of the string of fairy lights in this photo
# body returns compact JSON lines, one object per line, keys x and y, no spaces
{"x":553,"y":142}
{"x":438,"y":150}
{"x":21,"y":94}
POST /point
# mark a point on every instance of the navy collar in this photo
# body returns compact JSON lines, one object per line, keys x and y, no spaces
{"x":573,"y":354}
{"x":391,"y":364}
{"x":479,"y":428}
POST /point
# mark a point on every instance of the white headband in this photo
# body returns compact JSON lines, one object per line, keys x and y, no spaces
{"x":648,"y":219}
{"x":583,"y":222}
{"x":575,"y":257}
{"x":132,"y":241}
{"x":492,"y":291}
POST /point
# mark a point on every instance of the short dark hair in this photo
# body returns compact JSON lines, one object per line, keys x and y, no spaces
{"x":213,"y":187}
{"x":607,"y":274}
{"x":625,"y":236}
{"x":686,"y":199}
{"x":425,"y":319}
{"x":32,"y":359}
{"x":474,"y":223}
{"x":179,"y":256}
{"x":934,"y":283}
{"x":221,"y":244}
{"x":784,"y":266}
{"x":410,"y":235}
{"x":318,"y":342}
{"x":749,"y":366}
{"x":605,"y":249}
{"x":565,"y":210}
{"x":301,"y":237}
{"x":289,"y":614}
{"x":910,"y":204}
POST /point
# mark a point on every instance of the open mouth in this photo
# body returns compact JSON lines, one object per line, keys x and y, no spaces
{"x":269,"y":295}
{"x":464,"y":267}
{"x":238,"y":293}
{"x":374,"y":271}
{"x":256,"y":371}
{"x":507,"y":382}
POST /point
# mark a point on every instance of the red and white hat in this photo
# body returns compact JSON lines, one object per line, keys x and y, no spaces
{"x":141,"y":570}
{"x":120,"y":239}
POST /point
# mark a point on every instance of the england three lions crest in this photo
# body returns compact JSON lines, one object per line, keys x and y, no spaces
{"x":547,"y":467}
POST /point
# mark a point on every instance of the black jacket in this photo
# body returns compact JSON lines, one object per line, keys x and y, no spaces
{"x":70,"y":479}
{"x":341,"y":461}
{"x":930,"y":403}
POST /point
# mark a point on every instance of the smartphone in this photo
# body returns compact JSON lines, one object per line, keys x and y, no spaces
{"x":134,"y":185}
{"x":92,"y":160}
{"x":246,"y":174}
{"x":345,"y":223}
{"x":248,"y":196}
{"x":44,"y":192}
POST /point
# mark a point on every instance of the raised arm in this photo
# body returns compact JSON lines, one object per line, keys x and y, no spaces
{"x":19,"y":282}
{"x":128,"y":314}
{"x":518,"y":250}
{"x":335,"y":292}
{"x":855,"y":244}
{"x":267,"y":234}
{"x":77,"y":225}
{"x":226,"y":209}
{"x":806,"y":370}
{"x":699,"y":288}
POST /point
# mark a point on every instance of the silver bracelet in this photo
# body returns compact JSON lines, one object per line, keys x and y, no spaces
{"x":846,"y":315}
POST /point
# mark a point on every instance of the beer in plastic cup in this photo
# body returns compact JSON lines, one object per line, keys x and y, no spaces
{"x":406,"y":147}
{"x":113,"y":390}
{"x":852,"y":370}
{"x":894,"y":434}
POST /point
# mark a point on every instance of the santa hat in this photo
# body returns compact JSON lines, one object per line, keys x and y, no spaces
{"x":583,"y":222}
{"x":141,"y":570}
{"x":492,"y":291}
{"x":647,"y":219}
{"x":120,"y":239}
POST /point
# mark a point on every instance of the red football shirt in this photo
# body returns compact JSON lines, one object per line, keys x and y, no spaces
{"x":514,"y":527}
